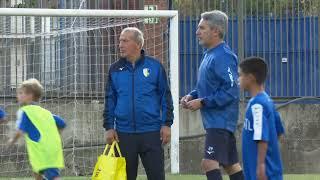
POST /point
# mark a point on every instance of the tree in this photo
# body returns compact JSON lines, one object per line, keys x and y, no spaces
{"x":273,"y":8}
{"x":53,"y":4}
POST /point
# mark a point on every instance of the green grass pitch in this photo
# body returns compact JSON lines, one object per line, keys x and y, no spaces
{"x":191,"y":177}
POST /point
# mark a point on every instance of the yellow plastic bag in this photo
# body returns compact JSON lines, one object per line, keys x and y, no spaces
{"x":110,"y":167}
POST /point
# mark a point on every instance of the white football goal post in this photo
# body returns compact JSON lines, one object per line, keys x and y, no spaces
{"x":70,"y":52}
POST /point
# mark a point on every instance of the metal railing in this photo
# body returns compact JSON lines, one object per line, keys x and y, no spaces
{"x":285,"y":33}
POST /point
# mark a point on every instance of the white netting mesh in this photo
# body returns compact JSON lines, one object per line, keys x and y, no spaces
{"x":71,"y":57}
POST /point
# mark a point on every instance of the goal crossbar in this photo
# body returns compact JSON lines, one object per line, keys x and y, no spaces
{"x":173,"y":50}
{"x":86,"y":12}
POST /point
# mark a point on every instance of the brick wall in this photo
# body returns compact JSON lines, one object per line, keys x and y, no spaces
{"x":156,"y":35}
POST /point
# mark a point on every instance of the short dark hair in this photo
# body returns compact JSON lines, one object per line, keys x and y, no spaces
{"x":255,"y":66}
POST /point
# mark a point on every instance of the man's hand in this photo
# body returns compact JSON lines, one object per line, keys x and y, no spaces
{"x":111,"y":135}
{"x":185,"y":100}
{"x":194,"y":104}
{"x":165,"y":134}
{"x":261,"y":172}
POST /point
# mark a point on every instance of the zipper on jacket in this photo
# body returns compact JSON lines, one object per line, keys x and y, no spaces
{"x":133,"y":100}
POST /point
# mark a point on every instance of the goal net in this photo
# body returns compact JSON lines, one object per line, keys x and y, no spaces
{"x":70,"y":52}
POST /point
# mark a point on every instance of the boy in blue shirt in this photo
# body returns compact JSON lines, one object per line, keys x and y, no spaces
{"x":262,"y":125}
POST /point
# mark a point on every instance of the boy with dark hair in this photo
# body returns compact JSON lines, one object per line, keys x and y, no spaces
{"x":262,"y":125}
{"x":41,"y":131}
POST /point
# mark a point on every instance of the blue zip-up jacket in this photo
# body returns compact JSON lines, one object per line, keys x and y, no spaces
{"x":217,"y":86}
{"x":138,"y":99}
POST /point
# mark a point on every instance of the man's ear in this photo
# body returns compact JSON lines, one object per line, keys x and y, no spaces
{"x":216,"y":31}
{"x":139,"y":45}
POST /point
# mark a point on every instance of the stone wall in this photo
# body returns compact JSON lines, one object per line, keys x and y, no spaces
{"x":300,"y":151}
{"x":84,"y":139}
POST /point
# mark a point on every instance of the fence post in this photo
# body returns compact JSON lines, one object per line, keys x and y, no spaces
{"x":240,"y":19}
{"x":317,"y":90}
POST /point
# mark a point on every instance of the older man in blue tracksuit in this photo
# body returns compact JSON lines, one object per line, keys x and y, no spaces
{"x":138,"y":107}
{"x":217,"y":96}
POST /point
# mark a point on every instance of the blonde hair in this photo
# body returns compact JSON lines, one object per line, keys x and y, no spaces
{"x":32,"y":86}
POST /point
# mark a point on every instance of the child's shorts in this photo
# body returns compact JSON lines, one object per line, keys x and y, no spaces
{"x":50,"y":174}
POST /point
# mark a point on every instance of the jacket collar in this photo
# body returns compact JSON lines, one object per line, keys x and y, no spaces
{"x":214,"y":48}
{"x":138,"y":62}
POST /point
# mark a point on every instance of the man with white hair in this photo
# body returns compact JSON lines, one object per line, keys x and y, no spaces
{"x":138,"y":107}
{"x":217,"y":96}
